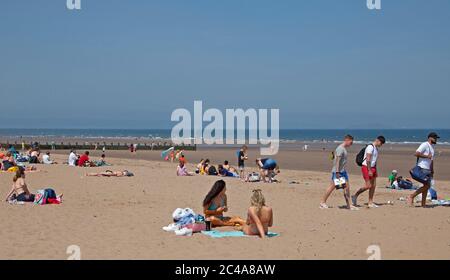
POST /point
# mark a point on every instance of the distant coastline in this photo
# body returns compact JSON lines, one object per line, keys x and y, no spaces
{"x":287,"y":136}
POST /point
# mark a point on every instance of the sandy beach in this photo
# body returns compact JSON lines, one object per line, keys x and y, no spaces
{"x":121,"y":218}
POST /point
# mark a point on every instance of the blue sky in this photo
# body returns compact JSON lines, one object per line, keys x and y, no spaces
{"x":323,"y":63}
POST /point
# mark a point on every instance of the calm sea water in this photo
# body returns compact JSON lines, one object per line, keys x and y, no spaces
{"x":361,"y":135}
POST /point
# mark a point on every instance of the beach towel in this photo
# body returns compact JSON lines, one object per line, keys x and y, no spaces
{"x":441,"y":202}
{"x":222,"y":234}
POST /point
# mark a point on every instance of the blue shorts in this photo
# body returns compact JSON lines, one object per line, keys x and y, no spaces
{"x":343,"y":174}
{"x":270,"y":164}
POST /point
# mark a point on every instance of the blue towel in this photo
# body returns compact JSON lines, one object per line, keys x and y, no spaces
{"x":221,"y":234}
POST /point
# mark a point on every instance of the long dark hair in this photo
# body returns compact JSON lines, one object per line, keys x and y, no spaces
{"x":215,"y":190}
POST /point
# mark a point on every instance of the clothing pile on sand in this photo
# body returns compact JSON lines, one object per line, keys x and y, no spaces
{"x":186,"y":222}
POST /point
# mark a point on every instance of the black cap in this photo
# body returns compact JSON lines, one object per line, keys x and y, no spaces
{"x":433,"y":135}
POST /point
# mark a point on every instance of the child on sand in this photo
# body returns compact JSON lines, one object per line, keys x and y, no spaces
{"x":182,"y":170}
{"x":242,"y":157}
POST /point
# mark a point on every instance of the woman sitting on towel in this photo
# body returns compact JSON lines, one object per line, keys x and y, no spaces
{"x":109,"y":173}
{"x":259,"y":216}
{"x":215,"y":204}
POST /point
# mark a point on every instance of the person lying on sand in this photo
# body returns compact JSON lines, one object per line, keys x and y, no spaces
{"x":259,"y":216}
{"x":19,"y":190}
{"x":215,"y":204}
{"x":109,"y":173}
{"x":226,"y":173}
{"x":230,"y":168}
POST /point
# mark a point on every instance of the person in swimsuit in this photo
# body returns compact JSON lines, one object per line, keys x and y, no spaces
{"x":259,"y":216}
{"x":19,"y":190}
{"x":215,"y":204}
{"x":109,"y":173}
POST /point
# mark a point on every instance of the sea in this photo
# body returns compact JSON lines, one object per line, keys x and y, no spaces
{"x":393,"y":136}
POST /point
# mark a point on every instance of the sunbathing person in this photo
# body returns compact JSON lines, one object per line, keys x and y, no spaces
{"x":226,"y":173}
{"x":230,"y":168}
{"x":19,"y":190}
{"x":101,"y":161}
{"x":215,"y":204}
{"x":8,"y":161}
{"x":259,"y":216}
{"x":109,"y":173}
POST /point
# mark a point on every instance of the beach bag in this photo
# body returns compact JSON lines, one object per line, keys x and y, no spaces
{"x":40,"y":198}
{"x":420,"y":175}
{"x":254,"y":177}
{"x":360,"y":156}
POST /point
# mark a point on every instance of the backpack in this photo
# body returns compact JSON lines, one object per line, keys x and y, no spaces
{"x":212,"y":170}
{"x":360,"y":156}
{"x":254,"y":177}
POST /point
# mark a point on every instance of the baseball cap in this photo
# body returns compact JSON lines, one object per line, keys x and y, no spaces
{"x":433,"y":135}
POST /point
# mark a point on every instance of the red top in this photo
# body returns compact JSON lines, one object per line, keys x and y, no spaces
{"x":83,"y":159}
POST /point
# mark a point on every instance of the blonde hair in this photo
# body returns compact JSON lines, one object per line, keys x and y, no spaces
{"x":257,"y":200}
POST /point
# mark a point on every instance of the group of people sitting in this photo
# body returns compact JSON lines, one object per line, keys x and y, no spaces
{"x":268,"y":169}
{"x":84,"y":160}
{"x":259,"y":215}
{"x":397,"y":182}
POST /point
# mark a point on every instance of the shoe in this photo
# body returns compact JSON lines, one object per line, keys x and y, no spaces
{"x":184,"y":232}
{"x":372,"y":205}
{"x":171,"y":227}
{"x":323,"y":206}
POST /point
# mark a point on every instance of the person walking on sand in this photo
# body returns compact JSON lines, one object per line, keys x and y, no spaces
{"x":369,"y":171}
{"x":339,"y":171}
{"x":424,"y":170}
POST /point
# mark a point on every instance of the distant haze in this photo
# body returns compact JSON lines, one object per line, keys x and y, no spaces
{"x":128,"y":64}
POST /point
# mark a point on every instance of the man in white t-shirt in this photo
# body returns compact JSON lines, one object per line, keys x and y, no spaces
{"x":73,"y":158}
{"x":425,"y":164}
{"x":369,"y":171}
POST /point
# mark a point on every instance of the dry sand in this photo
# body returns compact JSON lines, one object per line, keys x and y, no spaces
{"x":121,"y":218}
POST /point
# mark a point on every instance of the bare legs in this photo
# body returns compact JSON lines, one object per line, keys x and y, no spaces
{"x":370,"y":186}
{"x":216,"y":222}
{"x":330,"y":189}
{"x":424,"y":191}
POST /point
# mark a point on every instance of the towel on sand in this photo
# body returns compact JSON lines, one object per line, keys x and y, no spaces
{"x":221,"y":234}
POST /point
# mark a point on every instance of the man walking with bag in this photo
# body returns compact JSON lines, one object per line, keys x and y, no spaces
{"x":423,"y":172}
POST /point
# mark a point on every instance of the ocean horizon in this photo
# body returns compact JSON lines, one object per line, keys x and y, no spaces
{"x":400,"y":136}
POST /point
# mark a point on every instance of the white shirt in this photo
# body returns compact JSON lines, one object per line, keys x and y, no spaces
{"x":426,"y":149}
{"x":72,"y":159}
{"x":46,"y":159}
{"x":370,"y":149}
